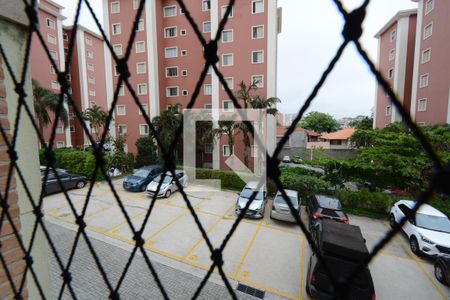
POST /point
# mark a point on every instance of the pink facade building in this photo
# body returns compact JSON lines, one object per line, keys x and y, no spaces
{"x":167,"y":59}
{"x":413,"y":55}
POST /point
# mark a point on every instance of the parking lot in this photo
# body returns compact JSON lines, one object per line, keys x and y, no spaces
{"x":265,"y":254}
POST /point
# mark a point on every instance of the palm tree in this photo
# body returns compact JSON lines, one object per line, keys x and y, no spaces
{"x":224,"y":128}
{"x":167,"y":124}
{"x":45,"y":101}
{"x":97,"y":117}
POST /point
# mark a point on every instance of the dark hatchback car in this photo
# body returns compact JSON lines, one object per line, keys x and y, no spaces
{"x":442,"y":269}
{"x":68,"y":181}
{"x":141,"y":178}
{"x":324,"y":207}
{"x":343,"y":249}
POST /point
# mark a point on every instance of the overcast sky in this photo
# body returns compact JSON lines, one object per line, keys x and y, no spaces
{"x":311,"y":33}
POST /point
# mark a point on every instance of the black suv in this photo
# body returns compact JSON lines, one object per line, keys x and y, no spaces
{"x":343,"y":249}
{"x":324,"y":207}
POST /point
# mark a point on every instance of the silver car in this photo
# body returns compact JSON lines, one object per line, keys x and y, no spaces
{"x":280,"y":210}
{"x":168,"y":185}
{"x":257,"y":207}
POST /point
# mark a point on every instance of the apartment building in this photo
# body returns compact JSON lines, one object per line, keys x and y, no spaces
{"x":418,"y":66}
{"x":50,"y":25}
{"x":167,"y":59}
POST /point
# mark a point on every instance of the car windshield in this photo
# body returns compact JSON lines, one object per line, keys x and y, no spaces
{"x":142,"y":173}
{"x":167,"y":179}
{"x":246,"y":193}
{"x":436,"y":223}
{"x":280,"y":200}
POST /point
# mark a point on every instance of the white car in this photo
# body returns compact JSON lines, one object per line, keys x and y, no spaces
{"x":428,"y":231}
{"x":168,"y":185}
{"x":286,"y":159}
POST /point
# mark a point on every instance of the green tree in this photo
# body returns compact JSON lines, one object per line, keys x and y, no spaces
{"x":97,"y":119}
{"x":167,"y":124}
{"x":45,"y":102}
{"x":319,"y":122}
{"x":119,"y":157}
{"x":365,"y":123}
{"x":147,"y":152}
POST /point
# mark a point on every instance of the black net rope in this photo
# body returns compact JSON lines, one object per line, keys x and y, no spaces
{"x":351,"y":33}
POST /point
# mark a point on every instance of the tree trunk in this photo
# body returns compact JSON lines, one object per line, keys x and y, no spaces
{"x":246,"y":147}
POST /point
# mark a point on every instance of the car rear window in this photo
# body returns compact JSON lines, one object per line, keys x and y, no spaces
{"x":280,"y":200}
{"x":332,"y":213}
{"x":328,"y":202}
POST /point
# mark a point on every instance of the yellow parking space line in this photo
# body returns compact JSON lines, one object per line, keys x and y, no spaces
{"x":302,"y":270}
{"x":267,"y":289}
{"x":394,"y":255}
{"x":419,"y":264}
{"x":208,"y":232}
{"x":116,"y":228}
{"x":248,"y":249}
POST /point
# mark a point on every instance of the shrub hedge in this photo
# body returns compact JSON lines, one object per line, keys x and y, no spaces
{"x":229,"y":180}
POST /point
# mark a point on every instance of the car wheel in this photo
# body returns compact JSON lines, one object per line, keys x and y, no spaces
{"x":392,"y":222}
{"x":167,"y":195}
{"x":414,"y":245}
{"x":439,"y":273}
{"x":143,"y":187}
{"x":80,"y":184}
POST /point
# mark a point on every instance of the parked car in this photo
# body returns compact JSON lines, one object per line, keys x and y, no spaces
{"x":442,"y":269}
{"x":280,"y":210}
{"x":168,"y":185}
{"x":68,"y":181}
{"x":286,"y":159}
{"x":258,"y":206}
{"x":343,"y":249}
{"x":297,"y":160}
{"x":428,"y":231}
{"x":324,"y":207}
{"x":139,"y":180}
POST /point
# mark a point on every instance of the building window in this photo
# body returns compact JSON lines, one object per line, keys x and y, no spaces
{"x":72,"y":128}
{"x":185,"y":92}
{"x":391,"y":73}
{"x":121,"y":110}
{"x":116,"y":72}
{"x":52,"y":70}
{"x":208,"y":107}
{"x":60,"y":144}
{"x":207,"y":27}
{"x":230,"y":83}
{"x":140,"y":47}
{"x":207,"y":89}
{"x":143,"y":129}
{"x":92,"y":93}
{"x":141,"y":68}
{"x":170,"y":32}
{"x":117,"y":49}
{"x":422,"y":104}
{"x":89,"y":41}
{"x":92,"y":104}
{"x":183,"y":52}
{"x":116,"y":29}
{"x":224,"y":10}
{"x":422,"y":124}
{"x":206,"y":5}
{"x":170,"y":11}
{"x":388,"y":110}
{"x":257,"y":57}
{"x":50,"y":23}
{"x":115,"y":7}
{"x":428,"y":31}
{"x":208,"y":148}
{"x":53,"y":54}
{"x":89,"y":54}
{"x":51,"y":39}
{"x":393,"y":35}
{"x":90,"y":67}
{"x":227,"y":60}
{"x":172,"y":91}
{"x":228,"y":105}
{"x":172,"y":72}
{"x":429,"y":6}
{"x":227,"y":36}
{"x":171,"y":52}
{"x":142,"y":89}
{"x":122,"y":128}
{"x":91,"y":79}
{"x":136,"y":4}
{"x":59,"y":129}
{"x":392,"y":54}
{"x":423,"y":82}
{"x":183,"y":72}
{"x":258,"y":80}
{"x":55,"y":85}
{"x":258,"y":32}
{"x":140,"y":25}
{"x":254,"y":150}
{"x":182,"y":32}
{"x":226,"y":150}
{"x":121,"y":91}
{"x":145,"y":108}
{"x":65,"y":36}
{"x":257,"y":6}
{"x":426,"y":55}
{"x":66,"y":50}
